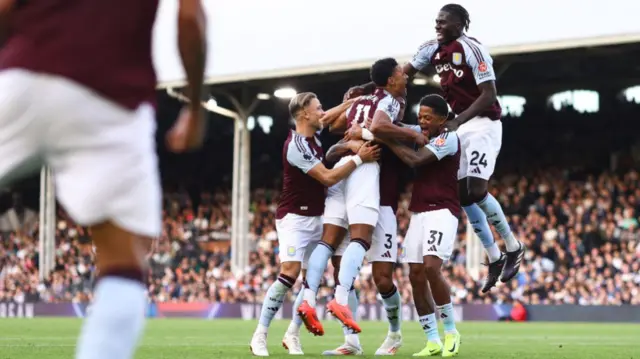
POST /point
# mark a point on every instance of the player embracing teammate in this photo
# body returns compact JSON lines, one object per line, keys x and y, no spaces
{"x":467,"y":79}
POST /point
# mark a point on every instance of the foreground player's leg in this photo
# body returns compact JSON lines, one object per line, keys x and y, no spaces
{"x":478,"y":220}
{"x":331,"y":237}
{"x":291,"y":340}
{"x":273,"y":300}
{"x":349,"y":269}
{"x":351,"y":345}
{"x":425,"y":307}
{"x":116,"y":321}
{"x":515,"y":249}
{"x":382,"y":276}
{"x":441,"y":295}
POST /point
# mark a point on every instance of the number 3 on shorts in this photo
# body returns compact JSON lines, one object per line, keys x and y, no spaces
{"x":387,"y":243}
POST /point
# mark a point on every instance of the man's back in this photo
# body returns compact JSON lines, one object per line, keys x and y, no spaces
{"x":102,"y":44}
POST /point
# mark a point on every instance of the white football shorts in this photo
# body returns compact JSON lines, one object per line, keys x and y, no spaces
{"x":355,"y":199}
{"x":384,"y":246}
{"x":297,"y":237}
{"x":102,"y":155}
{"x":431,"y":233}
{"x":480,"y":142}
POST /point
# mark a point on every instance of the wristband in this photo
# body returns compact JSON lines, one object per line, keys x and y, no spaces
{"x":367,"y":135}
{"x":357,"y":160}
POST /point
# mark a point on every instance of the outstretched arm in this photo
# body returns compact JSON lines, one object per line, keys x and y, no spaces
{"x":411,"y":157}
{"x":382,"y":125}
{"x":336,"y":117}
{"x":341,"y":148}
{"x":438,"y":148}
{"x":420,"y":60}
{"x":488,"y":96}
{"x":329,"y":177}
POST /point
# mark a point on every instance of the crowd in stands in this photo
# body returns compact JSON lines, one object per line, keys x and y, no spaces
{"x":581,"y":231}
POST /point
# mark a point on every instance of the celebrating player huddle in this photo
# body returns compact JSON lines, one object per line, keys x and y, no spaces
{"x":349,"y":211}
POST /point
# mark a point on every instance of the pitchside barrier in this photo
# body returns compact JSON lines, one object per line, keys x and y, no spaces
{"x":251,"y":311}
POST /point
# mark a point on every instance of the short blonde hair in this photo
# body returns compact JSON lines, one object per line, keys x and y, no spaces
{"x":300,"y":101}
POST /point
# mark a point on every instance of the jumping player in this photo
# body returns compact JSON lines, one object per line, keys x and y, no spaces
{"x":82,"y":103}
{"x":354,"y":203}
{"x":468,"y":82}
{"x":298,"y":217}
{"x":434,"y":224}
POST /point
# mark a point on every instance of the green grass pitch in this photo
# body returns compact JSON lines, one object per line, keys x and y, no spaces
{"x":200,"y":339}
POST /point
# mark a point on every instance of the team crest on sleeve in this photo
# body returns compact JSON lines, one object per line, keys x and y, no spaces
{"x":291,"y":251}
{"x":457,"y":58}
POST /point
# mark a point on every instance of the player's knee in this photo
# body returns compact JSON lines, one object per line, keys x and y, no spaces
{"x":291,"y":269}
{"x":477,"y":190}
{"x":432,"y":266}
{"x":383,"y":282}
{"x":416,"y":275}
{"x":121,"y":253}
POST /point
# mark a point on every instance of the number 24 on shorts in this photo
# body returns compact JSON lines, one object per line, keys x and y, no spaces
{"x":478,"y":158}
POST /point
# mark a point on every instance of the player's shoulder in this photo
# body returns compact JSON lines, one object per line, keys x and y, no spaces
{"x":447,"y":139}
{"x":433,"y":43}
{"x":472,"y":48}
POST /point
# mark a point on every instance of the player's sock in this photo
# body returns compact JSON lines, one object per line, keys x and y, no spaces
{"x":296,"y":322}
{"x":317,"y":265}
{"x":350,"y":268}
{"x":447,"y":316}
{"x":391,"y":303}
{"x":495,"y":215}
{"x":430,"y":327}
{"x":117,"y":318}
{"x":273,"y":301}
{"x":349,"y":336}
{"x":480,"y":225}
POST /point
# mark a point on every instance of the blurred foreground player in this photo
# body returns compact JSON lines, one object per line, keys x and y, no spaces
{"x":468,"y":82}
{"x":77,"y":94}
{"x":434,"y":224}
{"x":298,"y":217}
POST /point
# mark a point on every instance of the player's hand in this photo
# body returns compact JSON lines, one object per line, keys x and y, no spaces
{"x":354,"y":133}
{"x":421,"y":140}
{"x":187,"y":132}
{"x":355,"y":145}
{"x":369,"y":152}
{"x":353,"y":92}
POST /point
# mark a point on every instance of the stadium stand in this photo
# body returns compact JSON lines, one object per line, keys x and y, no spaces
{"x":577,"y":209}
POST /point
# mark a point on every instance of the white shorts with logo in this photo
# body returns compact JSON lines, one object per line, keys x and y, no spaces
{"x":480,"y":142}
{"x":102,"y":155}
{"x":384,"y":246}
{"x":355,"y":199}
{"x":297,"y":237}
{"x":431,"y":233}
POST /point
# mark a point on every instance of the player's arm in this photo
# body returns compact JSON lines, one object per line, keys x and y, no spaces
{"x":438,"y":148}
{"x":341,"y":148}
{"x":382,"y":125}
{"x":329,"y":177}
{"x":420,"y":60}
{"x":192,"y":42}
{"x":481,"y":64}
{"x":336,"y":118}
